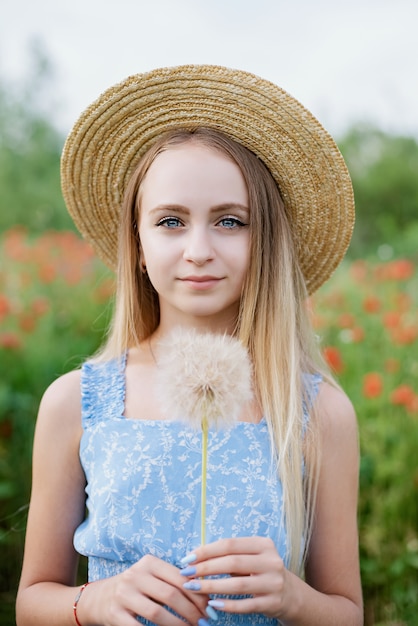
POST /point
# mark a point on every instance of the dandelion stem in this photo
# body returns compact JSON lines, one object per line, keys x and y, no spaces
{"x":205,"y":429}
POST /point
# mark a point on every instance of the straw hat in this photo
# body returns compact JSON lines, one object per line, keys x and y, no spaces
{"x":116,"y":130}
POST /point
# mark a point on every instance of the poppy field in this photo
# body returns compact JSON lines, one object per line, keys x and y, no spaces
{"x":55,"y":304}
{"x":366,"y":319}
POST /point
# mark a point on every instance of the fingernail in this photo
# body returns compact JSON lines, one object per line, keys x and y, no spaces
{"x":203,"y":622}
{"x":189,"y":558}
{"x":218,"y":604}
{"x":212,"y":613}
{"x":188,"y":571}
{"x":192,"y":585}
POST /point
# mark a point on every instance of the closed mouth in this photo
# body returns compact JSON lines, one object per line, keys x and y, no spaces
{"x":200,"y":279}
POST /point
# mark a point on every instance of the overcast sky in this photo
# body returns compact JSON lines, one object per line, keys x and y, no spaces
{"x":346,"y":61}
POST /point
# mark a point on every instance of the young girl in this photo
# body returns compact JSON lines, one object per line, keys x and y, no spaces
{"x":221,"y":203}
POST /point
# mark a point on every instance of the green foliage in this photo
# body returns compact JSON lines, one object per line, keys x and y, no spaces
{"x":384,"y":170}
{"x":30,"y":149}
{"x":54,"y":310}
{"x":366,"y":316}
{"x":383,"y":167}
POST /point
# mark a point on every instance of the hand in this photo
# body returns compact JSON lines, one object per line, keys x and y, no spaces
{"x":145,"y":589}
{"x":255,"y":569}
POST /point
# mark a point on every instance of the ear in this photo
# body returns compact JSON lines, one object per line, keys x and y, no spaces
{"x":142,"y":263}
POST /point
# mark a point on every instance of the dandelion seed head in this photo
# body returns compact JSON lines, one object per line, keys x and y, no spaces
{"x":203,"y":376}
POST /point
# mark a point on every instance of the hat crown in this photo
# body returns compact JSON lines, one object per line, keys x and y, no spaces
{"x":109,"y":138}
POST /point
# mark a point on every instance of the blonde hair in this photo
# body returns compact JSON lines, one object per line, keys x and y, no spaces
{"x":273,"y":323}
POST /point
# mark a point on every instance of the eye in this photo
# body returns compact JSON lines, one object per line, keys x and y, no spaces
{"x":170,"y":222}
{"x":231,"y":222}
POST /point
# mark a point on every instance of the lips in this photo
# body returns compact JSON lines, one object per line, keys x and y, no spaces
{"x":200,"y":279}
{"x":201,"y":282}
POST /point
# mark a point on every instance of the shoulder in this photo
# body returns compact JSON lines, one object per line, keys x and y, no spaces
{"x":332,"y":563}
{"x":60,"y":406}
{"x":334,"y":409}
{"x":63,"y":390}
{"x":337,"y":426}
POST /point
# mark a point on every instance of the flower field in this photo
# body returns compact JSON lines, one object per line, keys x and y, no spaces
{"x":366,"y":318}
{"x":55,"y":302}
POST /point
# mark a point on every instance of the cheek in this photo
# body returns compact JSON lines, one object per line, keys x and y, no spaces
{"x":147,"y":246}
{"x":158,"y":261}
{"x":246,"y":261}
{"x":242,"y":255}
{"x":154,"y":254}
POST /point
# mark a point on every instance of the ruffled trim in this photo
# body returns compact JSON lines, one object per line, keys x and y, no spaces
{"x":102,"y":390}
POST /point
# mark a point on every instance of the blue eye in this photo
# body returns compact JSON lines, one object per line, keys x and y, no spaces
{"x":231,"y":222}
{"x":169,"y":222}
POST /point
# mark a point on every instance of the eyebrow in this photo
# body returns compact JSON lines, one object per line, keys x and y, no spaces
{"x":221,"y":208}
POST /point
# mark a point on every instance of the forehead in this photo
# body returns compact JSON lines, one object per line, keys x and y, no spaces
{"x":191,"y":169}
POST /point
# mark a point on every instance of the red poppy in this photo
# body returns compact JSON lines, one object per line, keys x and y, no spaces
{"x":404,"y":336}
{"x":346,"y":320}
{"x":27,"y":322}
{"x":333,"y":357}
{"x":372,"y":385}
{"x":358,"y":270}
{"x":400,"y":269}
{"x":392,"y":319}
{"x":403,"y":301}
{"x":5,"y":306}
{"x":413,"y":405}
{"x":10,"y":341}
{"x":47,"y":273}
{"x":403,"y":395}
{"x":357,"y":334}
{"x":15,"y":244}
{"x":371,"y":304}
{"x":105,"y":290}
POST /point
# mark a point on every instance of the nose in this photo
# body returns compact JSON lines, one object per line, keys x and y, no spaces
{"x":198,"y":246}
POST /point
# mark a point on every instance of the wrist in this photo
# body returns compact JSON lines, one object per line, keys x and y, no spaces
{"x":81,"y":606}
{"x":290,"y":610}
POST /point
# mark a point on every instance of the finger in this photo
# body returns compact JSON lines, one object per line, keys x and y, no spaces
{"x":151,"y":585}
{"x":257,"y":604}
{"x":236,"y":565}
{"x":230,"y":586}
{"x":232,"y":545}
{"x":125,"y":614}
{"x":156,"y":613}
{"x":172,"y":594}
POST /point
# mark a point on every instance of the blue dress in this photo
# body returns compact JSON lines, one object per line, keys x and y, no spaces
{"x":144,"y":480}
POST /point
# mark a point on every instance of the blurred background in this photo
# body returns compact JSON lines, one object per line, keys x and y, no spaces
{"x":355,"y":66}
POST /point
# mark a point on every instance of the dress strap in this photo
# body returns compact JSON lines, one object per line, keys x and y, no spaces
{"x":311,"y":384}
{"x":102,"y":390}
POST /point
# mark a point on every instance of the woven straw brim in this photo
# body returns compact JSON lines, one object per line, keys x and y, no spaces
{"x":107,"y":141}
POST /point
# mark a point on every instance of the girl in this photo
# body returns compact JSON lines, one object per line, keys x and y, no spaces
{"x":222,"y":203}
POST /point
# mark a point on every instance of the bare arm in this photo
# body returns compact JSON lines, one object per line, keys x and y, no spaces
{"x":331,"y":595}
{"x":333,"y":563}
{"x":56,"y":509}
{"x":47,"y":588}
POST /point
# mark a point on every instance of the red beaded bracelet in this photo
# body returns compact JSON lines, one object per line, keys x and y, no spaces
{"x":77,"y":598}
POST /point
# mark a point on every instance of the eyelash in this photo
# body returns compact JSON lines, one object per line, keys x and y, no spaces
{"x":236,"y":222}
{"x":165,"y":221}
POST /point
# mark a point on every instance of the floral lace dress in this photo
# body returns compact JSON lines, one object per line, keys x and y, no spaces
{"x":144,"y":479}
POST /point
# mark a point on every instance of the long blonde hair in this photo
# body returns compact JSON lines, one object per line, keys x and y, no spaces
{"x":273,"y":322}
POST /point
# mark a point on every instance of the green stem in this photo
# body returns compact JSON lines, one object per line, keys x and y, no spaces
{"x":205,"y":429}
